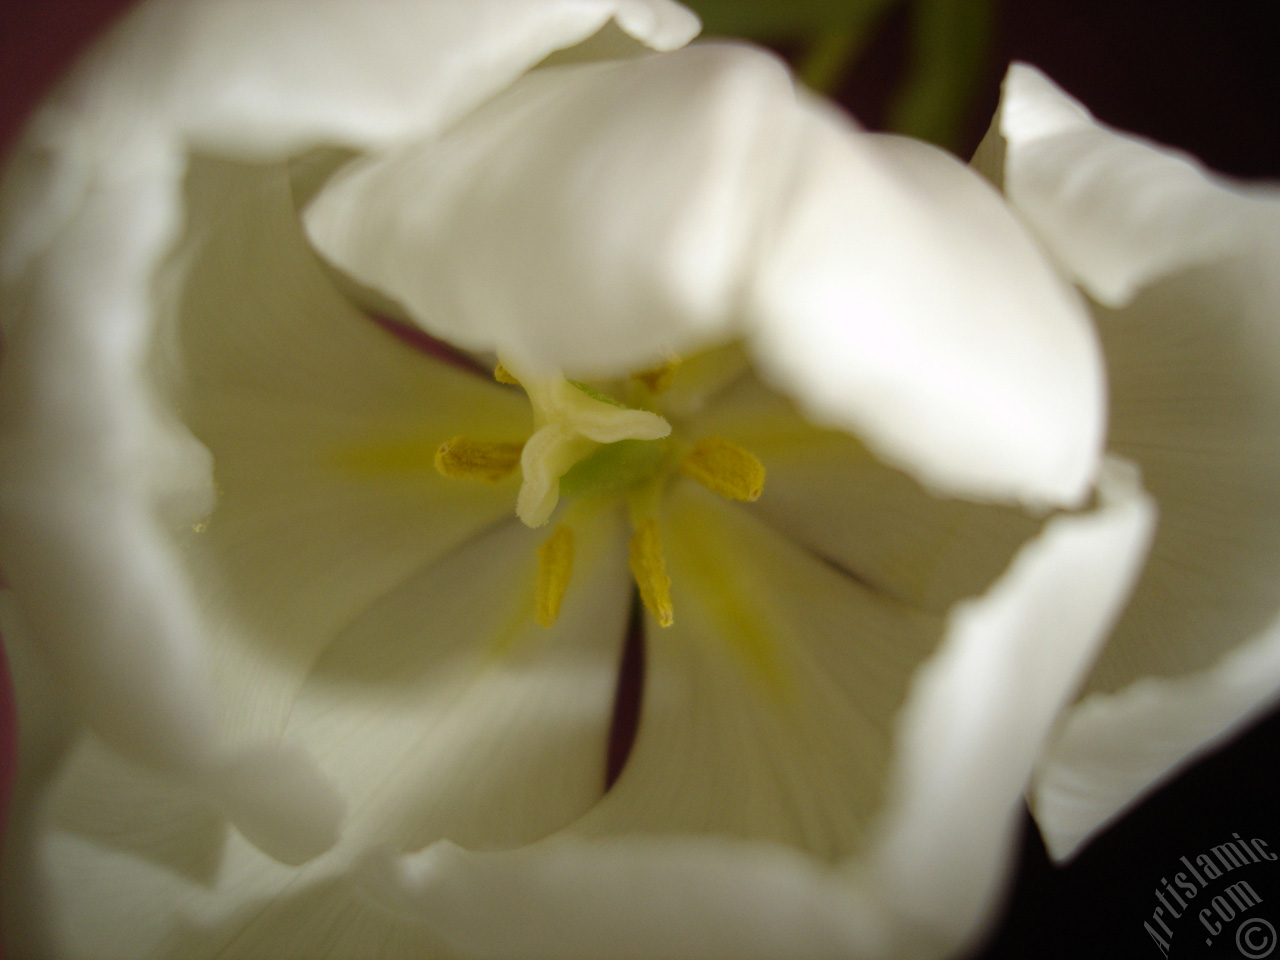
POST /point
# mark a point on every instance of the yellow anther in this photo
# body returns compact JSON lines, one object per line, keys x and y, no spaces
{"x":725,"y":468}
{"x":503,"y":375}
{"x":658,"y":379}
{"x":555,"y":567}
{"x":650,"y":572}
{"x":477,"y":460}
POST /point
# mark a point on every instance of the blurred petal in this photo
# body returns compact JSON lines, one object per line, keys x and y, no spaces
{"x":595,"y":218}
{"x":279,"y":801}
{"x":899,"y":300}
{"x":1117,"y":213}
{"x":261,"y":353}
{"x":1187,"y":261}
{"x":91,"y":836}
{"x":443,"y":711}
{"x":122,"y":863}
{"x":90,"y":210}
{"x":973,"y":366}
{"x":83,"y":450}
{"x":980,"y":710}
{"x":271,"y":76}
{"x":632,"y":899}
{"x":88,"y":458}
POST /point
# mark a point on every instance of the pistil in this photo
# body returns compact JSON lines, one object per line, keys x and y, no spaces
{"x":572,"y":420}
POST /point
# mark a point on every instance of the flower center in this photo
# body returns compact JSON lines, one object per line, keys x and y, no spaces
{"x":587,"y":445}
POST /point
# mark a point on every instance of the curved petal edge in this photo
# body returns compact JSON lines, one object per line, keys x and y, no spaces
{"x":1117,"y":211}
{"x":984,"y":705}
{"x":898,"y":298}
{"x":1114,"y":749}
{"x":631,"y":899}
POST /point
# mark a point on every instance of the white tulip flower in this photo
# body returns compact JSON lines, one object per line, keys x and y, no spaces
{"x":316,"y":635}
{"x":1180,"y":268}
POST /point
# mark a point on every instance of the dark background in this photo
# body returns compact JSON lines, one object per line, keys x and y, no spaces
{"x":1196,"y":74}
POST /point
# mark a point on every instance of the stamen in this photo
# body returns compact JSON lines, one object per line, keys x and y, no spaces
{"x":503,"y":375}
{"x":725,"y":468}
{"x":650,"y":572}
{"x":468,"y":459}
{"x":658,"y":379}
{"x":555,"y":566}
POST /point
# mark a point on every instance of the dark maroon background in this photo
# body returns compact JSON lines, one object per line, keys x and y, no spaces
{"x":1197,"y":74}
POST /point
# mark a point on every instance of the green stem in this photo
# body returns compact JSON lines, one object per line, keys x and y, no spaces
{"x":835,"y":48}
{"x":827,"y":58}
{"x":949,"y":49}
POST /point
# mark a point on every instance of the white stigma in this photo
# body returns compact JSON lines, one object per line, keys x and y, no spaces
{"x":570,"y":422}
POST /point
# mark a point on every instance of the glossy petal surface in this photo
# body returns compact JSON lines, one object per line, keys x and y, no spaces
{"x":593,"y":218}
{"x":899,"y":300}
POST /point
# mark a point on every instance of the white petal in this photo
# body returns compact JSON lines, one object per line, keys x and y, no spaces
{"x":1187,"y":262}
{"x":247,"y":314}
{"x":649,"y":899}
{"x":1115,"y":748}
{"x":983,"y":706}
{"x":89,"y":455}
{"x":269,"y":364}
{"x":762,"y":717}
{"x":80,"y":466}
{"x":596,"y":218}
{"x":768,"y":704}
{"x":1196,"y":402}
{"x":272,"y":76}
{"x":316,"y":519}
{"x":443,"y":711}
{"x":260,"y":791}
{"x":89,"y":448}
{"x":116,"y":862}
{"x":974,"y":720}
{"x":446,"y":711}
{"x":91,"y":837}
{"x":899,"y":300}
{"x":1194,"y":362}
{"x":47,"y":913}
{"x":323,"y":430}
{"x":932,"y":871}
{"x":1117,"y":213}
